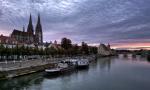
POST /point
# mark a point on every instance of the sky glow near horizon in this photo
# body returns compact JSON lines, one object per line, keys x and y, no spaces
{"x":122,"y":23}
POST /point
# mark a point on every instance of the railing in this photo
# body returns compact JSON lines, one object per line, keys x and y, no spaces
{"x":13,"y":65}
{"x":25,"y":63}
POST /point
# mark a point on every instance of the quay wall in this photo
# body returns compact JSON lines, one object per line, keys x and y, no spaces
{"x":24,"y":71}
{"x":12,"y":69}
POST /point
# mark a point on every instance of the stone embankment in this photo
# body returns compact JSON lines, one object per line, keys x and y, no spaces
{"x":10,"y":69}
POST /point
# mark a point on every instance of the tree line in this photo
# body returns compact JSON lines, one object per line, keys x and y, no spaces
{"x":66,"y":48}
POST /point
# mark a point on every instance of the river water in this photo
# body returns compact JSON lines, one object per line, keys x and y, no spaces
{"x":111,"y":73}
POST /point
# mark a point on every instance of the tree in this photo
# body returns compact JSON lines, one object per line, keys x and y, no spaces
{"x":52,"y":51}
{"x":1,"y":51}
{"x":75,"y":49}
{"x":47,"y":51}
{"x":7,"y":52}
{"x":93,"y":50}
{"x":36,"y":51}
{"x":66,"y":43}
{"x":85,"y":48}
{"x":41,"y":51}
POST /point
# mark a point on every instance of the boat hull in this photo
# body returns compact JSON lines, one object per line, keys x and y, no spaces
{"x":52,"y":72}
{"x":82,"y":66}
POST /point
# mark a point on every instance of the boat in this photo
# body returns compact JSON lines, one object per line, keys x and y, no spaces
{"x":60,"y":68}
{"x":53,"y":71}
{"x":83,"y":63}
{"x":77,"y":63}
{"x":71,"y":62}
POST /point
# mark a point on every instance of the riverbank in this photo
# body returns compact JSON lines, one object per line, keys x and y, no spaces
{"x":105,"y":73}
{"x":24,"y":71}
{"x":18,"y":68}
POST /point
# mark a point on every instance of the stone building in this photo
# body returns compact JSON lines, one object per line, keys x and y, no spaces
{"x":30,"y":36}
{"x":104,"y":50}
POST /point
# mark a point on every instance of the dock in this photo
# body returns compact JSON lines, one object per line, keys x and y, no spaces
{"x":10,"y":69}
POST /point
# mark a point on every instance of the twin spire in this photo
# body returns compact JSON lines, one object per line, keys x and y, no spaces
{"x":38,"y":25}
{"x":38,"y":30}
{"x":30,"y":26}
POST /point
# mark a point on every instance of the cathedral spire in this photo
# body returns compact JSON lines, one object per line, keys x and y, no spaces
{"x":30,"y":26}
{"x":38,"y":26}
{"x":38,"y":31}
{"x":39,"y":21}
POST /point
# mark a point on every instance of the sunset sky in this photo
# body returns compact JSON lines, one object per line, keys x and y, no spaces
{"x":122,"y":23}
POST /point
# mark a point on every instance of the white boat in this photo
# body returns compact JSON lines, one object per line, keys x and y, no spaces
{"x":53,"y":71}
{"x":61,"y":67}
{"x":79,"y":63}
{"x":83,"y":63}
{"x":72,"y":62}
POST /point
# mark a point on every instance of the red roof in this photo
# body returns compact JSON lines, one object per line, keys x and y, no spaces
{"x":6,"y":39}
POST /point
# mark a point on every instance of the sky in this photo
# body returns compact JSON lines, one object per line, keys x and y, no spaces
{"x":122,"y":23}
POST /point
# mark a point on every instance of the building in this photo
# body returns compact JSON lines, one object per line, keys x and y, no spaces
{"x":55,"y":45}
{"x":104,"y":50}
{"x":7,"y":40}
{"x":30,"y":36}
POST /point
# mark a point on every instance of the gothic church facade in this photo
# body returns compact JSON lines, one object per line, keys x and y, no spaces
{"x":30,"y":35}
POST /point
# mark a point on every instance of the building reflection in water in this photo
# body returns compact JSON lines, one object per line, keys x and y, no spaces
{"x":37,"y":80}
{"x":104,"y":63}
{"x":97,"y":75}
{"x":22,"y":82}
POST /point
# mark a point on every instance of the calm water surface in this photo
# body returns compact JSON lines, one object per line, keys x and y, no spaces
{"x":115,"y":73}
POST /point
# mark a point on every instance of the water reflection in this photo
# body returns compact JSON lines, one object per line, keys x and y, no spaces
{"x":36,"y":79}
{"x":67,"y":74}
{"x":118,"y":73}
{"x":135,"y":58}
{"x":105,"y":63}
{"x":19,"y":83}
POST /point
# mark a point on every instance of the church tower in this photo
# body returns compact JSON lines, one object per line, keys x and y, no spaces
{"x":30,"y":26}
{"x":38,"y":32}
{"x":30,"y":31}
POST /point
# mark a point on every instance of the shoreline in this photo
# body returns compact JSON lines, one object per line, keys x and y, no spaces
{"x":31,"y":66}
{"x":24,"y":71}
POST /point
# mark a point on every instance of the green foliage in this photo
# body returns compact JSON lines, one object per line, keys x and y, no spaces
{"x":85,"y":48}
{"x":52,"y":51}
{"x":66,"y":48}
{"x":1,"y":49}
{"x":66,"y":43}
{"x":93,"y":50}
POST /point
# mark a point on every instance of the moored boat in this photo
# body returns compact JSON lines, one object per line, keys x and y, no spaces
{"x":60,"y":68}
{"x":53,"y":71}
{"x":83,"y":63}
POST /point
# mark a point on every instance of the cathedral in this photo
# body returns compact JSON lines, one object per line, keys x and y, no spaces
{"x":30,"y":35}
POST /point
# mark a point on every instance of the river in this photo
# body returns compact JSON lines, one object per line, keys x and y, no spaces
{"x":110,"y":73}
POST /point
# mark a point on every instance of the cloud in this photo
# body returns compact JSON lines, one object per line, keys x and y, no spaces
{"x":93,"y":21}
